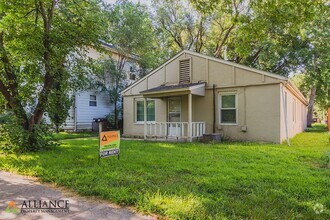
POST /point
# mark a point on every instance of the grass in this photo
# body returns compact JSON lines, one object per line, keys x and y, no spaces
{"x":68,"y":135}
{"x":194,"y":180}
{"x":317,"y":127}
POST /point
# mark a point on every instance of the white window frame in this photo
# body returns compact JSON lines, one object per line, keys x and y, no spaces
{"x":135,"y":111}
{"x":89,"y":103}
{"x":220,"y":107}
{"x":168,"y":107}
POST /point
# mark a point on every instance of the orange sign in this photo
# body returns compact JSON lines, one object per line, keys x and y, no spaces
{"x":108,"y":137}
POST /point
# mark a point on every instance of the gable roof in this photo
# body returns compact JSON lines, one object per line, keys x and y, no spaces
{"x":273,"y":75}
{"x":114,"y":49}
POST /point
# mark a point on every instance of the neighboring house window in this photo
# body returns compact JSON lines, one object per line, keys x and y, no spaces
{"x":92,"y":100}
{"x":132,"y":76}
{"x":140,"y":111}
{"x":228,"y":109}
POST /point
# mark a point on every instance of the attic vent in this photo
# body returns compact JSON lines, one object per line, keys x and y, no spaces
{"x":184,"y":70}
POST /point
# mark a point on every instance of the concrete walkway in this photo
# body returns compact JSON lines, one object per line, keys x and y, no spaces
{"x":19,"y":188}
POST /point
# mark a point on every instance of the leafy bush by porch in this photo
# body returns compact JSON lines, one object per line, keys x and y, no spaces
{"x":193,"y":180}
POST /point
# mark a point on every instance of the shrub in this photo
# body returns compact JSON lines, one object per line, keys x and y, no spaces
{"x":15,"y":139}
{"x":6,"y":117}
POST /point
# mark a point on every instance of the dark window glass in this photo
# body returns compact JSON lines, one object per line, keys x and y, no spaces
{"x":92,"y":100}
{"x":228,"y":115}
{"x":151,"y":110}
{"x":228,"y":101}
{"x":139,"y":111}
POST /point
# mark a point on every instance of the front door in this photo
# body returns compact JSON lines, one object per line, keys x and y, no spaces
{"x":174,"y":115}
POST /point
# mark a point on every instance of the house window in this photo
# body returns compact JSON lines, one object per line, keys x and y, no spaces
{"x":92,"y":100}
{"x":150,"y":111}
{"x":228,"y":109}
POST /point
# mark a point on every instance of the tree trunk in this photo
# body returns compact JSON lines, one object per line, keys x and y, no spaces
{"x":311,"y":106}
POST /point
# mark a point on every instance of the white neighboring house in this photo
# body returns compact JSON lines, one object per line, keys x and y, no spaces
{"x":89,"y":104}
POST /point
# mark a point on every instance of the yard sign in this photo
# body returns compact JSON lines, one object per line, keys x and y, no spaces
{"x":109,"y":143}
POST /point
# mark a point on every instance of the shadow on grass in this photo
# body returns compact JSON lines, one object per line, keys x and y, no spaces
{"x":319,"y":128}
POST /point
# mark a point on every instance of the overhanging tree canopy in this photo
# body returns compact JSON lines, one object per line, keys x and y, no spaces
{"x":37,"y":40}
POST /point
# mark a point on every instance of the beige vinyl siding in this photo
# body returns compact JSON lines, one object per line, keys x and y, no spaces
{"x":296,"y":115}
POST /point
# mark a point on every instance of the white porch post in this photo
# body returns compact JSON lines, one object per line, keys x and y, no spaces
{"x":145,"y":118}
{"x":190,"y":117}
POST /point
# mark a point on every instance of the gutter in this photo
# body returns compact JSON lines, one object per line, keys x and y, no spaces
{"x":292,"y":88}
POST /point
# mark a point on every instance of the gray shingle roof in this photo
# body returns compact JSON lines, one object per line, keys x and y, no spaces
{"x":171,"y":87}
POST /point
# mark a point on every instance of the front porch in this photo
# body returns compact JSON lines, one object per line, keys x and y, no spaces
{"x":179,"y":125}
{"x":178,"y":131}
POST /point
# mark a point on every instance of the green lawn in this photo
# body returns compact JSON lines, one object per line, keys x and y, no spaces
{"x":68,"y":135}
{"x":194,"y":180}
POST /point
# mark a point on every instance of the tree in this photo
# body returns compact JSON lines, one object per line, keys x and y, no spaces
{"x":281,"y":36}
{"x":180,"y":26}
{"x":37,"y":38}
{"x":59,"y":100}
{"x":317,"y":63}
{"x":111,"y":80}
{"x":131,"y":32}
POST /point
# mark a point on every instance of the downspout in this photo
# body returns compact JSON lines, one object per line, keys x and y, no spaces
{"x":285,"y":115}
{"x":213,"y":108}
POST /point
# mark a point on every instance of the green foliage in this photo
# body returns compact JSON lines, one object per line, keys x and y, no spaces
{"x":39,"y":39}
{"x":111,"y":120}
{"x":179,"y":26}
{"x":109,"y":78}
{"x":15,"y":139}
{"x":132,"y":33}
{"x":59,"y":101}
{"x":230,"y":180}
{"x":317,"y":33}
{"x":6,"y":117}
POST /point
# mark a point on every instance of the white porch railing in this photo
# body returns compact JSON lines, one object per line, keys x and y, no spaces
{"x":174,"y":129}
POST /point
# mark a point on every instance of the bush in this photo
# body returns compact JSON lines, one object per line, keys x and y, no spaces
{"x":15,"y":139}
{"x":6,"y":117}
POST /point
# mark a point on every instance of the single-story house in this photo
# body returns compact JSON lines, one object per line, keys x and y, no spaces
{"x":192,"y":94}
